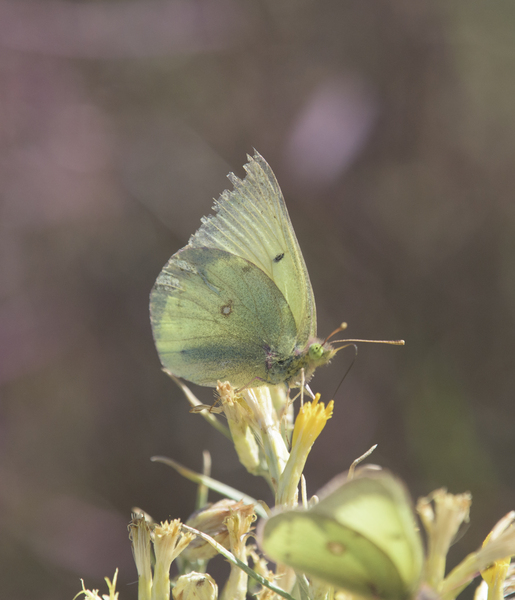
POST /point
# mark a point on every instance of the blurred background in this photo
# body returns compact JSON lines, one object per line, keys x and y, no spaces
{"x":390,"y":126}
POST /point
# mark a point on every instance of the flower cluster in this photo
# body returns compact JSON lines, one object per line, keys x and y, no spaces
{"x":363,"y":519}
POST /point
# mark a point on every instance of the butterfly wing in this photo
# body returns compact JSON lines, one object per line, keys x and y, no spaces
{"x":216,"y":316}
{"x":376,"y":505}
{"x":252,"y":222}
{"x":360,"y":537}
{"x":322,"y":548}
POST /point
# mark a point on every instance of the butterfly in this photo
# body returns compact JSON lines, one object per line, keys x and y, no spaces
{"x":236,"y":302}
{"x":360,"y":537}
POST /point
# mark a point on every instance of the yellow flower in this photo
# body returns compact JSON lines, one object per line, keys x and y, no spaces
{"x":239,"y":523}
{"x":139,"y":534}
{"x":495,"y":575}
{"x":239,"y":418}
{"x":309,"y":424}
{"x":490,"y":560}
{"x":169,"y":542}
{"x":442,"y":514}
{"x":94,"y":595}
{"x":266,"y":425}
{"x":211,"y":520}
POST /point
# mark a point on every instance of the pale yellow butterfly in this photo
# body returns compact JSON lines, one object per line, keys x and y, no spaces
{"x":236,"y":302}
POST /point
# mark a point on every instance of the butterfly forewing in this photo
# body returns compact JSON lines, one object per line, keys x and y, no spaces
{"x":252,"y":222}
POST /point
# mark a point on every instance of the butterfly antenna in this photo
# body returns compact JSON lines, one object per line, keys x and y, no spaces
{"x":348,"y":368}
{"x":347,"y":342}
{"x":337,"y":330}
{"x":353,"y":343}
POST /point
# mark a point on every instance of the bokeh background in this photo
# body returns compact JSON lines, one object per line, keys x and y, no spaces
{"x":391,"y":128}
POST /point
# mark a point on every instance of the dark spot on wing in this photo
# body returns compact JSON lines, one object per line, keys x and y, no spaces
{"x":336,"y":548}
{"x":246,"y":268}
{"x":226,"y":309}
{"x":279,"y":257}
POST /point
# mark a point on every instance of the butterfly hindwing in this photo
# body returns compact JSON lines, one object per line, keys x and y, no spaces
{"x":361,"y":537}
{"x":377,"y":505}
{"x":216,"y":316}
{"x":323,"y":549}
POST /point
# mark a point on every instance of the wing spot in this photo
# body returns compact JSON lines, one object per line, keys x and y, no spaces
{"x":279,"y":257}
{"x":246,"y":268}
{"x":226,"y":309}
{"x":336,"y":548}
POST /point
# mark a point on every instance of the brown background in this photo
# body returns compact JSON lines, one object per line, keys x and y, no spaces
{"x":391,"y":128}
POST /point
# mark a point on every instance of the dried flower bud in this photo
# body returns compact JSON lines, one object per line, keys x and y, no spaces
{"x":195,"y":586}
{"x":239,"y":419}
{"x":211,"y":520}
{"x":139,"y":534}
{"x":442,"y":515}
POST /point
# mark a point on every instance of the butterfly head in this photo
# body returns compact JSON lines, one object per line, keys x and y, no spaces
{"x":316,"y":354}
{"x":319,"y":353}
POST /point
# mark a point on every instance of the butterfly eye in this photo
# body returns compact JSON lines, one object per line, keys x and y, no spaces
{"x":316,"y":351}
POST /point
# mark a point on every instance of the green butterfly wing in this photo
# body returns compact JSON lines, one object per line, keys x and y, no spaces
{"x":360,"y":537}
{"x":376,"y":504}
{"x":245,"y":258}
{"x":252,"y":222}
{"x":320,"y":547}
{"x":218,"y":314}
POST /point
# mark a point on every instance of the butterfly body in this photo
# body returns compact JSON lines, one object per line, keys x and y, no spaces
{"x":236,"y":303}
